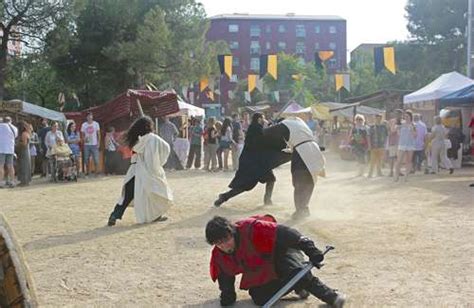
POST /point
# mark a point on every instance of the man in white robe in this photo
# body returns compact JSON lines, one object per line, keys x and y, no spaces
{"x":145,"y":182}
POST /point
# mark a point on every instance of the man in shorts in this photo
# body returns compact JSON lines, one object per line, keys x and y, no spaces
{"x":8,"y":134}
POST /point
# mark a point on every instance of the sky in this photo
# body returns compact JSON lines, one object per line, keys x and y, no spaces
{"x":368,"y":21}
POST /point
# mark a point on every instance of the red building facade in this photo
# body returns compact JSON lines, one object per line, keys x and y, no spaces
{"x":250,"y":36}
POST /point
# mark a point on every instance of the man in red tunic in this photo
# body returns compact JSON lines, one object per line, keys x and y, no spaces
{"x":267,"y":255}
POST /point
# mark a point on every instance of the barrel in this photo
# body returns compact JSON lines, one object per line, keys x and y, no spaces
{"x":16,"y":285}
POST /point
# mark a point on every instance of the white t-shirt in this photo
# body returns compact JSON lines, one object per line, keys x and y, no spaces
{"x":8,"y":133}
{"x":90,"y":132}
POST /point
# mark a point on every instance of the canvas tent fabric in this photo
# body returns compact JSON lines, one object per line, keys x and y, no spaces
{"x":21,"y":107}
{"x":123,"y":109}
{"x":442,"y":86}
{"x":339,"y":110}
{"x":189,"y":110}
{"x":292,"y":108}
{"x":461,"y":98}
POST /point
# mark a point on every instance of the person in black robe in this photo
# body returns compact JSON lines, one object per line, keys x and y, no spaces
{"x":261,"y":154}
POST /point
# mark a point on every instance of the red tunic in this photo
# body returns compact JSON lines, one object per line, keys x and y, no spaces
{"x":253,"y":257}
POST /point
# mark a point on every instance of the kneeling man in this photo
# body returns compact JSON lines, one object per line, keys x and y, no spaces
{"x":267,"y":255}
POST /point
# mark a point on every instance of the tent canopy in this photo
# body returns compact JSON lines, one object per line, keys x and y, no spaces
{"x":18,"y":106}
{"x":346,"y":110}
{"x":188,"y":110}
{"x":292,"y":108}
{"x":460,"y":98}
{"x":124,"y":108}
{"x":442,"y":86}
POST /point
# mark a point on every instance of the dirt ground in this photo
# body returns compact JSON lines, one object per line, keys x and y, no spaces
{"x":397,"y":244}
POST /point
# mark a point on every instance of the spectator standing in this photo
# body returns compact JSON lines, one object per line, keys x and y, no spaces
{"x":8,"y":134}
{"x":111,"y":153}
{"x":378,"y":134}
{"x":438,"y":147}
{"x":195,"y":148}
{"x":218,"y":126}
{"x":226,"y":141}
{"x":74,"y":140}
{"x":358,"y":137}
{"x":169,"y":132}
{"x":406,"y":145}
{"x":24,"y":158}
{"x":393,"y":138}
{"x":210,"y":145}
{"x":34,"y":144}
{"x":419,"y":154}
{"x":43,"y":149}
{"x":90,"y":131}
{"x":238,"y":137}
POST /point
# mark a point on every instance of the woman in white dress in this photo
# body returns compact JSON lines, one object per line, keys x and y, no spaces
{"x":145,"y":182}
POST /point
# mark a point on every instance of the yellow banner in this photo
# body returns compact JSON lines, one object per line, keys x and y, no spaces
{"x":228,"y":66}
{"x":252,"y":80}
{"x":389,"y":59}
{"x":339,"y":81}
{"x":272,"y":66}
{"x":203,"y":84}
{"x":325,"y":55}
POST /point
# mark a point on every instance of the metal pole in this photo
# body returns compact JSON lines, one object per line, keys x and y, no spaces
{"x":469,"y":37}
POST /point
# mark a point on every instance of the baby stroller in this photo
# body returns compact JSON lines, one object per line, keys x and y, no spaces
{"x":58,"y":167}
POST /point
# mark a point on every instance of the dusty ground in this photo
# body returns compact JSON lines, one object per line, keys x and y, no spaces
{"x":404,"y":244}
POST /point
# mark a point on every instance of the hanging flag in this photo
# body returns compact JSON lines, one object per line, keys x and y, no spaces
{"x":389,"y":59}
{"x":273,"y":66}
{"x":339,"y":81}
{"x":321,"y":57}
{"x":259,"y":84}
{"x":269,"y":64}
{"x":384,"y":57}
{"x":225,"y":64}
{"x":342,"y":81}
{"x":276,"y":94}
{"x":252,"y":82}
{"x":203,"y":84}
{"x":248,"y":98}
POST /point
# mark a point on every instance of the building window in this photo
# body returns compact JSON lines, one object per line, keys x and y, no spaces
{"x":332,"y":29}
{"x":300,"y":31}
{"x":234,"y":45}
{"x":316,"y":45}
{"x":332,"y":46}
{"x":235,"y":61}
{"x":281,"y":28}
{"x":233,"y":28}
{"x":268,"y":45}
{"x":268,"y":29}
{"x":254,"y":47}
{"x":300,"y":48}
{"x":317,"y":29}
{"x":254,"y":30}
{"x":281,"y":46}
{"x":255,"y":64}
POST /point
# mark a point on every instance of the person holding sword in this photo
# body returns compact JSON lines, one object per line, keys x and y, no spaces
{"x":267,"y":255}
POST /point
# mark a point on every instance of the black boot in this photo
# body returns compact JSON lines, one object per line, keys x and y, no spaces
{"x":267,"y":199}
{"x":112,"y":220}
{"x":221,"y":199}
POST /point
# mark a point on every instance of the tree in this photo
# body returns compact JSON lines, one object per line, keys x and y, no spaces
{"x":118,"y":44}
{"x":440,"y":23}
{"x":26,"y":21}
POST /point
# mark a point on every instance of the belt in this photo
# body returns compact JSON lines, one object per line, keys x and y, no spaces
{"x":303,"y":143}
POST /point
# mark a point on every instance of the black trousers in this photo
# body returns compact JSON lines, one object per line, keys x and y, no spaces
{"x":129,"y":194}
{"x":287,"y":266}
{"x":194,"y":154}
{"x":302,"y":182}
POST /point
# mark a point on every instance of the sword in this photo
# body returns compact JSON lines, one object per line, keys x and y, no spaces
{"x":293,"y":281}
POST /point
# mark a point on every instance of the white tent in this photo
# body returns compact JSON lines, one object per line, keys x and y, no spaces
{"x":443,"y":85}
{"x":188,"y":110}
